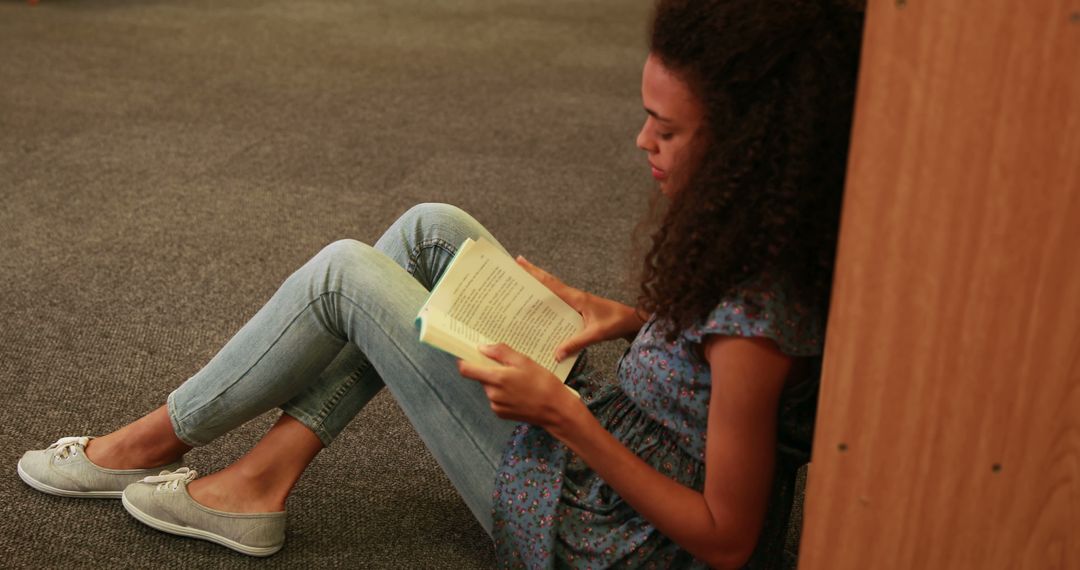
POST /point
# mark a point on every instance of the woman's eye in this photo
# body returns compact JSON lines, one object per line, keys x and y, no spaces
{"x":666,"y":136}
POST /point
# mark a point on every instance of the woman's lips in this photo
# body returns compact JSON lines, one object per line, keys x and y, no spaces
{"x":657,"y":173}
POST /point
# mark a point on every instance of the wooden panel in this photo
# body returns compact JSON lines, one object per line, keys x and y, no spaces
{"x":949,"y":423}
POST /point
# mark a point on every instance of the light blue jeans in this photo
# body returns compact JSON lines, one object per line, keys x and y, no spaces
{"x":338,"y":330}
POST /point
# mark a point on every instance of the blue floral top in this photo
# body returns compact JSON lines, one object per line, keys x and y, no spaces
{"x":551,"y":510}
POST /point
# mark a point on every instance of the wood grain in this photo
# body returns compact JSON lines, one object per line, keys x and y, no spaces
{"x":952,"y":365}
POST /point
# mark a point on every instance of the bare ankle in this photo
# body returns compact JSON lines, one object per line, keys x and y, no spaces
{"x":126,"y":448}
{"x":231,"y":492}
{"x":111,"y":454}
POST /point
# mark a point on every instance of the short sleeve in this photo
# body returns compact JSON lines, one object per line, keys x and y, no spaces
{"x":797,"y":330}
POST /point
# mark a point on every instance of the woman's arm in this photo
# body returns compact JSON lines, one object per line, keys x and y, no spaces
{"x":720,"y":525}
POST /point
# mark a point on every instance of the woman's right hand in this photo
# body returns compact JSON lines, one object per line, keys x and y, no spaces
{"x":604,"y":319}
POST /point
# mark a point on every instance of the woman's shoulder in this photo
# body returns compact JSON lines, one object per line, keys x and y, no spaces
{"x":763,"y":308}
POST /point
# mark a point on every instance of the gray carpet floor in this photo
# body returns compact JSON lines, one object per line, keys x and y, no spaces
{"x":165,"y":165}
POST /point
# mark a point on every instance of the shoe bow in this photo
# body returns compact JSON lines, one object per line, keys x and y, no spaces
{"x":172,"y":479}
{"x":67,"y":446}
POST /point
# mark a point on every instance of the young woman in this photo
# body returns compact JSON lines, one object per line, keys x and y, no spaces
{"x":687,"y":460}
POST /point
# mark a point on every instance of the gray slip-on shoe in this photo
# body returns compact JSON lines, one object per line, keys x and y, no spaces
{"x":163,"y":502}
{"x":63,"y":469}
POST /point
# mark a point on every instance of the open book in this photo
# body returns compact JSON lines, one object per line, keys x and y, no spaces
{"x":485,"y":297}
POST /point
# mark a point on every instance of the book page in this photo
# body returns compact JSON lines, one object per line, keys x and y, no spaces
{"x":485,"y":290}
{"x":451,"y":336}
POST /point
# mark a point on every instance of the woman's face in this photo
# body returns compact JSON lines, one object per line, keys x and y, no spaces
{"x":674,"y":116}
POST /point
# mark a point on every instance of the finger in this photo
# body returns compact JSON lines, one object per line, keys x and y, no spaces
{"x":505,"y":412}
{"x":573,"y":297}
{"x":492,"y":395}
{"x":549,"y":280}
{"x":501,"y":353}
{"x":479,"y":372}
{"x":496,"y":400}
{"x":499,"y":411}
{"x":573,"y":345}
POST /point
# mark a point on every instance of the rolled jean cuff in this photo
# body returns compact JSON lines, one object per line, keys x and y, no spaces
{"x":189,"y":439}
{"x":178,"y":428}
{"x":309,"y":422}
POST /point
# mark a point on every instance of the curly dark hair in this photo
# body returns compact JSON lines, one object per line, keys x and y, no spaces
{"x":777,"y":81}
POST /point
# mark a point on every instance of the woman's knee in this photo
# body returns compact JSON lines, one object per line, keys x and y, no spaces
{"x":425,"y":226}
{"x":431,"y":214}
{"x":341,"y":256}
{"x":343,"y":250}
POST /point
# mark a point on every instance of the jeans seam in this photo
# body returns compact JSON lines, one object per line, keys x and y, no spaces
{"x":332,"y":402}
{"x":427,"y":243}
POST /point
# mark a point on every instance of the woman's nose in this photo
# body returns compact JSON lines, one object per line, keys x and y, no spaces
{"x":644,"y":142}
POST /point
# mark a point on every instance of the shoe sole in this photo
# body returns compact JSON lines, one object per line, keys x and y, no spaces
{"x":171,"y":528}
{"x":64,"y":492}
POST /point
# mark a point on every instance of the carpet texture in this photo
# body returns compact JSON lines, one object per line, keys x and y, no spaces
{"x":165,"y":165}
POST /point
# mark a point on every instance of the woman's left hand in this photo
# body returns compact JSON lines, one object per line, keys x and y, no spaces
{"x":520,"y":389}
